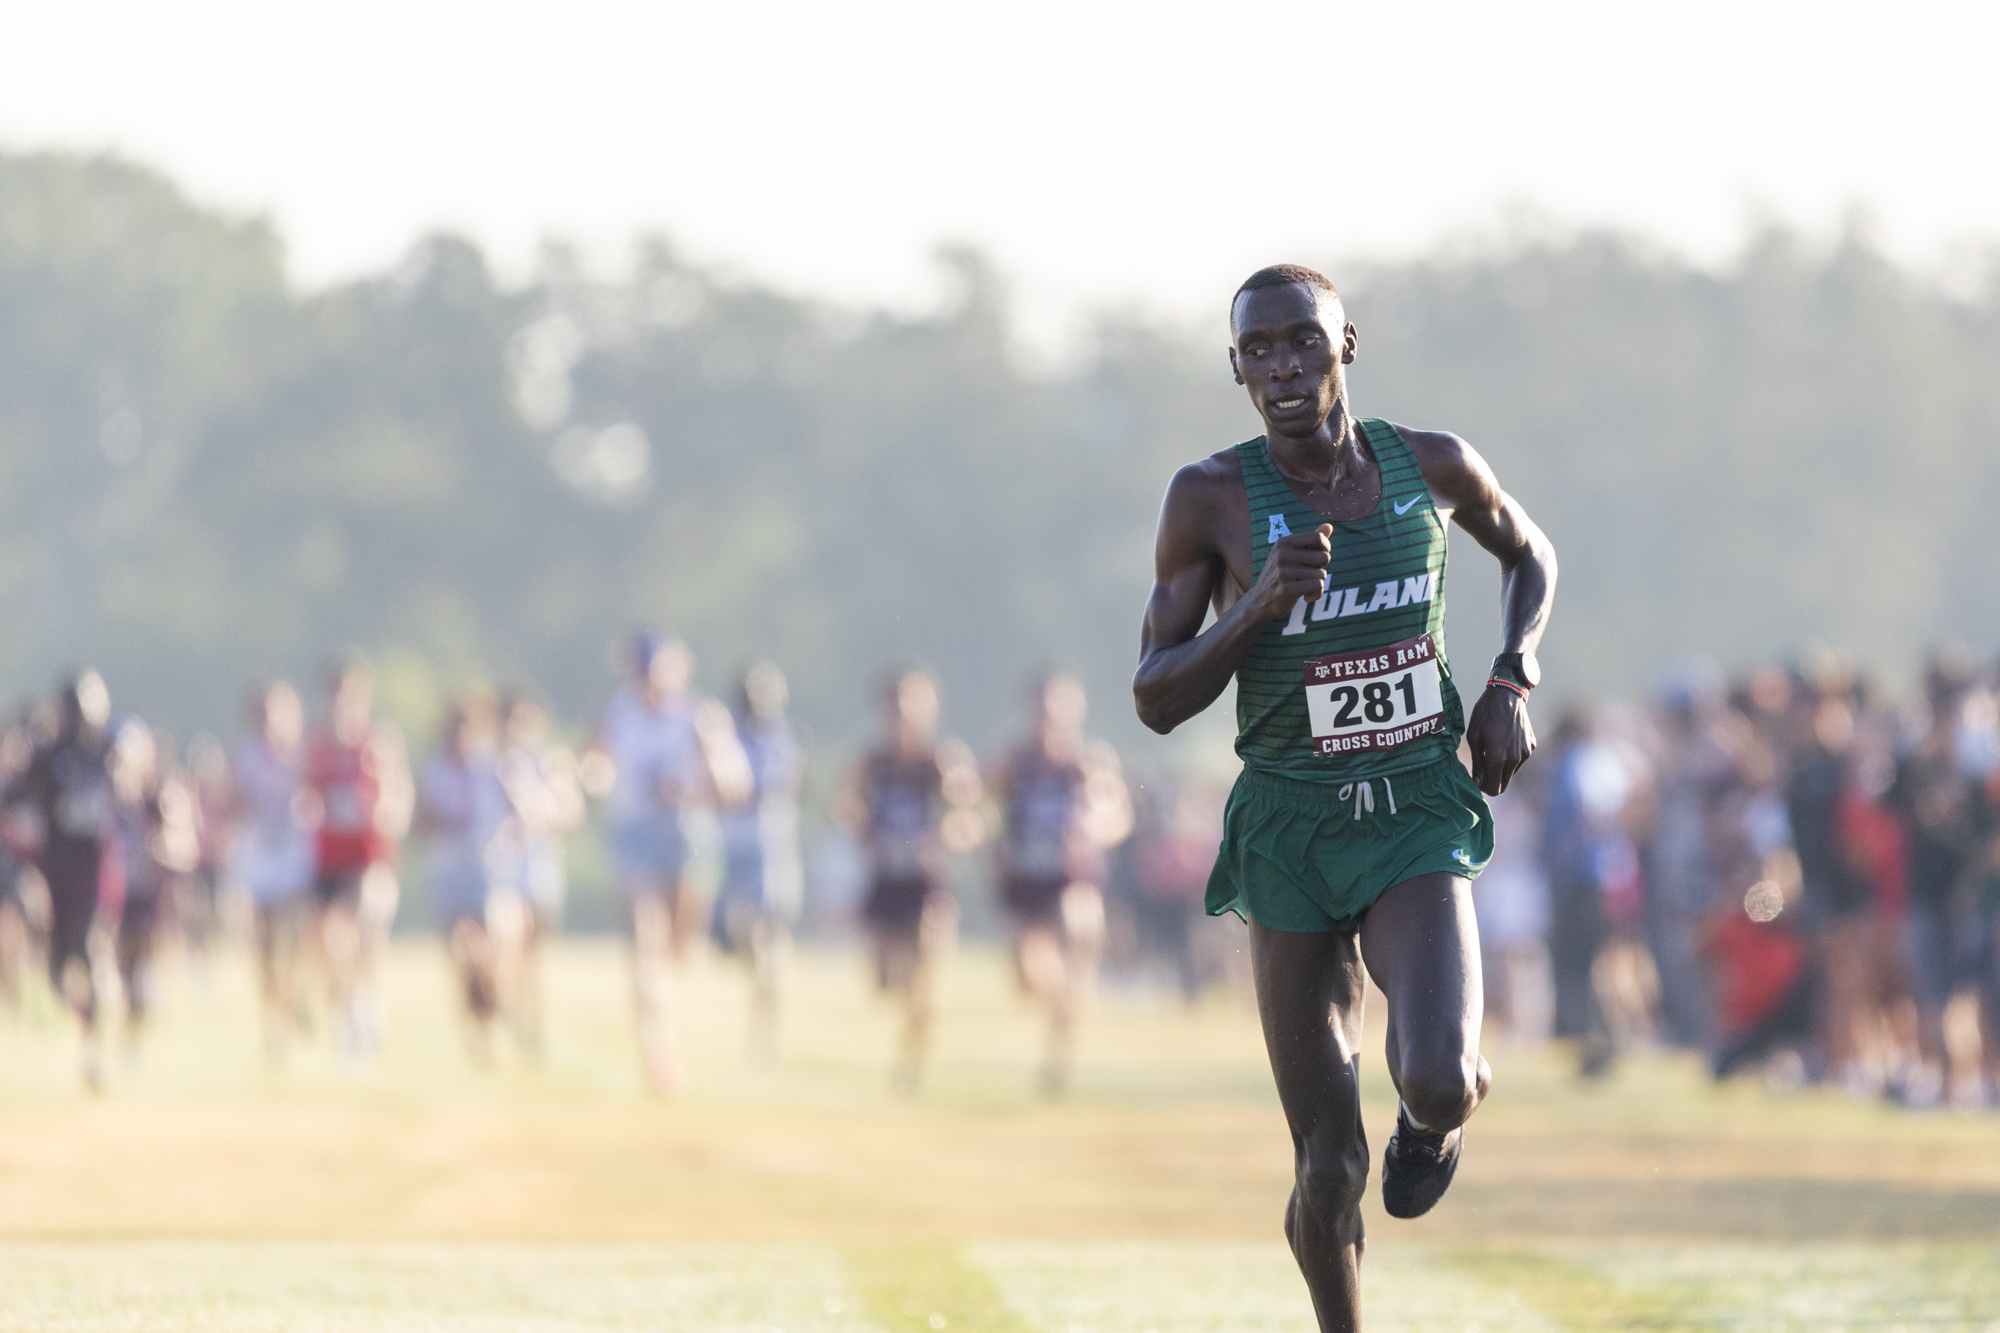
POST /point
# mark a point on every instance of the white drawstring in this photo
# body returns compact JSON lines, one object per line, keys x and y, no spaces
{"x":1364,"y":796}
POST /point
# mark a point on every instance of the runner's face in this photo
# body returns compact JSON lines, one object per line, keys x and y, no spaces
{"x":284,"y":719}
{"x":1292,"y":343}
{"x":914,"y":706}
{"x":1059,"y":705}
{"x":670,"y":669}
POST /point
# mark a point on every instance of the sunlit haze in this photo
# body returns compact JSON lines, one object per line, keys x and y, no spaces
{"x":1098,"y":151}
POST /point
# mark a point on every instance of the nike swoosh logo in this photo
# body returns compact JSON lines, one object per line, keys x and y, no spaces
{"x":1404,"y":507}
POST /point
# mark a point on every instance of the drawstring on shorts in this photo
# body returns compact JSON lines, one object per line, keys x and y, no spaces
{"x":1364,"y":796}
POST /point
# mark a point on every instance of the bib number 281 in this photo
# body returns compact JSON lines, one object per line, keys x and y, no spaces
{"x":1374,"y":700}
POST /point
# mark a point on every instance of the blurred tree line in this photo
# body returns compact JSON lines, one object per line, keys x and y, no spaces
{"x":209,"y":475}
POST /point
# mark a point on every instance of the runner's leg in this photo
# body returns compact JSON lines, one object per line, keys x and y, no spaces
{"x":1422,"y":948}
{"x":1310,"y":991}
{"x":651,"y":904}
{"x":1082,"y":943}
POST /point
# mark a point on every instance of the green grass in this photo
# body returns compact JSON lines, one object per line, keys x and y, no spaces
{"x":206,"y":1191}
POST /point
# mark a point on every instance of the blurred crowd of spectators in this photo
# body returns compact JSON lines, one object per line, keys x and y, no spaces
{"x":1789,"y":870}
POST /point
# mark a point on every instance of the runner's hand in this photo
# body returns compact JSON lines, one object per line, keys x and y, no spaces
{"x":1501,"y":738}
{"x":1295,"y":568}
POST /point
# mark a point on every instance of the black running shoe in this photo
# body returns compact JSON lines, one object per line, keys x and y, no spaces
{"x":1417,"y":1167}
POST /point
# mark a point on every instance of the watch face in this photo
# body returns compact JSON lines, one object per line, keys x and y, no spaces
{"x":1521,"y":667}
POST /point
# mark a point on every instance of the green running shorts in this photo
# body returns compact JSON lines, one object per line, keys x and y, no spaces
{"x":1314,"y":856}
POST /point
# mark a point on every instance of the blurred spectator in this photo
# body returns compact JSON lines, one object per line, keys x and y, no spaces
{"x":1838,"y":902}
{"x":1513,"y":899}
{"x":1593,"y":875}
{"x":1765,"y":999}
{"x":1696,"y":761}
{"x":1942,"y":809}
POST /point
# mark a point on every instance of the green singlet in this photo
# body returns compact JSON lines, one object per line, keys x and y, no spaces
{"x":1347,"y":717}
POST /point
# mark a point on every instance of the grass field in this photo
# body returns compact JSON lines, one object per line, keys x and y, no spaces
{"x":206,"y":1191}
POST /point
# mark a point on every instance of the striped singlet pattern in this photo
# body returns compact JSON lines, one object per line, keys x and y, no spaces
{"x":1385,"y":585}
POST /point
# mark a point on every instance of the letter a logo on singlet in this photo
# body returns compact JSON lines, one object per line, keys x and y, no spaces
{"x":1278,"y":529}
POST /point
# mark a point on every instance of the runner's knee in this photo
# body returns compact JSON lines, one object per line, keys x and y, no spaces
{"x":1442,"y":1094}
{"x":1331,"y":1183}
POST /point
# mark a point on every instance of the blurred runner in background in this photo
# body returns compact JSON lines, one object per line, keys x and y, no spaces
{"x":911,"y":800}
{"x":1062,"y":803}
{"x":763,"y":878}
{"x":23,"y":896}
{"x":1177,"y":827}
{"x":67,"y":785}
{"x":201,"y":911}
{"x":671,"y":753}
{"x":460,"y":807}
{"x":544,"y":802}
{"x":158,"y":847}
{"x":271,"y":854}
{"x":358,"y":787}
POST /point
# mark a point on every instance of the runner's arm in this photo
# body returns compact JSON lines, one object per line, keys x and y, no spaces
{"x":1183,"y":669}
{"x":1500,"y":735}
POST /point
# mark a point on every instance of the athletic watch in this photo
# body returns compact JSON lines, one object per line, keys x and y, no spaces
{"x":1519,"y":670}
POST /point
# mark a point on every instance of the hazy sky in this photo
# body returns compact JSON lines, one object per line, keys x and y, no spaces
{"x":1156,"y":150}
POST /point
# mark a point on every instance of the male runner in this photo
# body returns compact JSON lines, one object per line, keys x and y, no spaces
{"x":1353,"y":834}
{"x":159,"y":845}
{"x":358,"y":782}
{"x":544,"y":801}
{"x":68,"y":786}
{"x":1062,"y":803}
{"x":460,"y":809}
{"x":671,"y":753}
{"x":763,"y":876}
{"x":912,"y":799}
{"x":271,"y":853}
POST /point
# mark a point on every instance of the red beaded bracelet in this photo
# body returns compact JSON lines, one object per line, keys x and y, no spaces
{"x":1491,"y":681}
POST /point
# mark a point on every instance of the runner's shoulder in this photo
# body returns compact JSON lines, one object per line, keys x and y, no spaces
{"x":1202,"y":490}
{"x":1452,"y":468}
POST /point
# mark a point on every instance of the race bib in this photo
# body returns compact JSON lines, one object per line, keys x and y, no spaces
{"x":1374,"y":700}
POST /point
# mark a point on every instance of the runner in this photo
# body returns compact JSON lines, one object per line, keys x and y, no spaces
{"x":158,"y":846}
{"x":672,"y":754}
{"x":763,"y":879}
{"x":205,"y":911}
{"x":68,"y":786}
{"x":20,"y":884}
{"x":1063,"y":802}
{"x":910,"y":800}
{"x":359,"y":787}
{"x":544,"y":801}
{"x":271,"y":855}
{"x":460,"y":808}
{"x":1353,"y":834}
